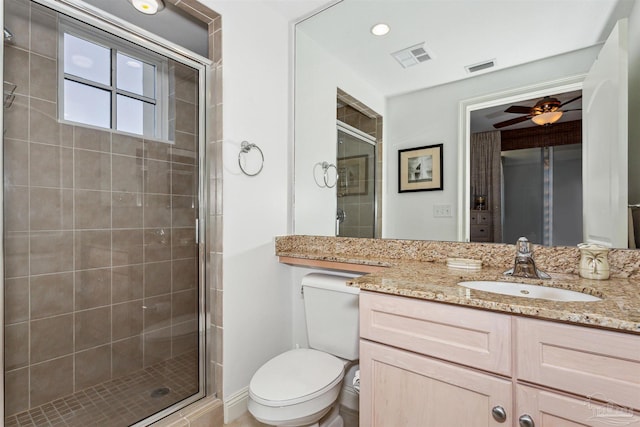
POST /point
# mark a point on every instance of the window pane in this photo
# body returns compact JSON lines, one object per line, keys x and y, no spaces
{"x":87,"y":104}
{"x":87,"y":60}
{"x":135,"y":116}
{"x":136,"y":76}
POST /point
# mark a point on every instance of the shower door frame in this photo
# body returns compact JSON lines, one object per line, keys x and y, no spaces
{"x":119,"y":27}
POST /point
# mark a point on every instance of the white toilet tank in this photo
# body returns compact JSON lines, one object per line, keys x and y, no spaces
{"x":331,"y":310}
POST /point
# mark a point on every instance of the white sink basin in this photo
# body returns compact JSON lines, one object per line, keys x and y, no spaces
{"x":529,"y":291}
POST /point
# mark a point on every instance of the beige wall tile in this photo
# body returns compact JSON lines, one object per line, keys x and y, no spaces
{"x":157,"y":150}
{"x":50,"y":166}
{"x":92,"y":249}
{"x":127,"y":283}
{"x":43,"y":73}
{"x":44,"y":32}
{"x":51,"y":380}
{"x":92,"y":139}
{"x":126,"y":356}
{"x":127,"y":145}
{"x":157,"y":346}
{"x":16,"y":157}
{"x":92,"y":170}
{"x":186,"y":117}
{"x":157,"y":210}
{"x":184,"y":179}
{"x":17,"y":18}
{"x":183,"y":243}
{"x":16,"y":62}
{"x":50,"y":251}
{"x":51,"y":209}
{"x":184,"y":338}
{"x":92,"y":328}
{"x":127,"y":247}
{"x":183,"y":274}
{"x":184,"y":305}
{"x":157,"y":314}
{"x":16,"y":297}
{"x":16,"y":391}
{"x":15,"y":125}
{"x":16,"y":218}
{"x":126,"y":174}
{"x":92,"y":209}
{"x":16,"y":346}
{"x":16,"y":254}
{"x":127,"y":319}
{"x":51,"y":295}
{"x":157,"y":244}
{"x":51,"y":337}
{"x":43,"y":122}
{"x":157,"y":177}
{"x":92,"y":366}
{"x":92,"y":288}
{"x":126,"y":210}
{"x":157,"y":278}
{"x":183,"y":211}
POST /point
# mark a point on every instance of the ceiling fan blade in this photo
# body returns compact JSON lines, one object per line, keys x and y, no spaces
{"x":518,"y":109}
{"x":511,"y":122}
{"x":571,"y":100}
{"x":573,"y":109}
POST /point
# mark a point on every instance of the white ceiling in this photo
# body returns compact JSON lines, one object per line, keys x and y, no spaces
{"x":457,"y":33}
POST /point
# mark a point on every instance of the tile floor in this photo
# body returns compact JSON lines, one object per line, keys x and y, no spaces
{"x":119,"y":402}
{"x":349,"y":416}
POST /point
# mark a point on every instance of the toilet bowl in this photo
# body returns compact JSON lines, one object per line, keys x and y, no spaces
{"x":300,"y":387}
{"x":296,"y":388}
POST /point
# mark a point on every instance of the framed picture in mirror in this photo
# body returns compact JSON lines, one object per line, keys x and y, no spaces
{"x":352,"y":175}
{"x":420,"y":169}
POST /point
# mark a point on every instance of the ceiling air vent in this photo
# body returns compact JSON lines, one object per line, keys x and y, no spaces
{"x":481,"y":66}
{"x":413,"y":55}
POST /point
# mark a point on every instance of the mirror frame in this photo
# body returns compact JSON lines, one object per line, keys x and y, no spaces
{"x":465,"y":108}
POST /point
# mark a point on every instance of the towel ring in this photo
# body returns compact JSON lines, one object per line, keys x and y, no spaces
{"x":325,"y":174}
{"x":245,"y":147}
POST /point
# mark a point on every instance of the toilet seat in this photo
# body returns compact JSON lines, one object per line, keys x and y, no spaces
{"x":294,"y":377}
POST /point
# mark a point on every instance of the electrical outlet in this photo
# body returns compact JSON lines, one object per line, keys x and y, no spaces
{"x":442,"y":211}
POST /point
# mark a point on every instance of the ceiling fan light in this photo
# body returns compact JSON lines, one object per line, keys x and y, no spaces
{"x":547,"y":118}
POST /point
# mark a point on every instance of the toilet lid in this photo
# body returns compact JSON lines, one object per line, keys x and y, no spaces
{"x":295,"y":376}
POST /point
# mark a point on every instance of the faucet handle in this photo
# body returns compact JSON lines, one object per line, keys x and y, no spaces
{"x":523,"y":246}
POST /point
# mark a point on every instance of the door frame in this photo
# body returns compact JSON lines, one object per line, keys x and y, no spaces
{"x":466,"y":106}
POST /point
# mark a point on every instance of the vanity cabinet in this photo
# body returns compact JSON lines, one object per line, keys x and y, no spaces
{"x":430,"y":364}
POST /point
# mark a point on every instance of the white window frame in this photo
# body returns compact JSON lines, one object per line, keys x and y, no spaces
{"x":116,"y":45}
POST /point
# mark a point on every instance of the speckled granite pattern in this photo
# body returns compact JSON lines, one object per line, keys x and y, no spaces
{"x":417,"y":269}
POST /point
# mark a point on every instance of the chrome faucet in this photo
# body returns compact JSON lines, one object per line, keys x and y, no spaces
{"x":524,"y":266}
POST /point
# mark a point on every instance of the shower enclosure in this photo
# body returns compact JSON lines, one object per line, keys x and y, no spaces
{"x":102,"y":145}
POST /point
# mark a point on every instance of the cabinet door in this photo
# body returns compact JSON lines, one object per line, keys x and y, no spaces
{"x":403,"y":389}
{"x":549,"y":409}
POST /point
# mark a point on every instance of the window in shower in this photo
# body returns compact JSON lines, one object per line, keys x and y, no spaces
{"x":109,"y":83}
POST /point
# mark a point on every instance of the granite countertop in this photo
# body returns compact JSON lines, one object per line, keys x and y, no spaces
{"x":618,"y":310}
{"x":432,"y":280}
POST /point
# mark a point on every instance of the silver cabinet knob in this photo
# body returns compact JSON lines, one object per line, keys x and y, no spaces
{"x":499,"y":414}
{"x":526,"y":421}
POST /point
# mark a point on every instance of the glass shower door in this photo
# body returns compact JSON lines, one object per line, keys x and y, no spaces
{"x":102,"y":290}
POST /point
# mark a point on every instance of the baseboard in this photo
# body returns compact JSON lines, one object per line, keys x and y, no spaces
{"x":350,"y":398}
{"x":236,"y":405}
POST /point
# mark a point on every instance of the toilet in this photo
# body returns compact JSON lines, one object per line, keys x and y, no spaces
{"x":300,"y":387}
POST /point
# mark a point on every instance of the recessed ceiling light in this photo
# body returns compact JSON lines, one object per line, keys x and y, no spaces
{"x":149,"y":7}
{"x":380,"y":29}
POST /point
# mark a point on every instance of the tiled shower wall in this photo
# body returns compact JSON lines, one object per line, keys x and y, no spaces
{"x":100,"y":259}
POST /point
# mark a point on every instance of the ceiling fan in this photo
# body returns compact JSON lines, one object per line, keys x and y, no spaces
{"x":545,"y":112}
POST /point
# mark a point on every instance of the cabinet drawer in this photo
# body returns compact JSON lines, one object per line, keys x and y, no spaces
{"x":597,"y":364}
{"x":470,"y":337}
{"x":484,"y":218}
{"x":480,"y":231}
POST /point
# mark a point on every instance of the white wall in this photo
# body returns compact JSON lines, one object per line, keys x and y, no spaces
{"x":634,"y":104}
{"x":318,"y":75}
{"x":429,"y":117}
{"x":257,"y":297}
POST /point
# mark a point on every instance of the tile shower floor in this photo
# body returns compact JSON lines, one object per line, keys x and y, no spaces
{"x":119,"y":402}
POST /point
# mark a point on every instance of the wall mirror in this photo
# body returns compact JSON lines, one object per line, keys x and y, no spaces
{"x":441,"y":64}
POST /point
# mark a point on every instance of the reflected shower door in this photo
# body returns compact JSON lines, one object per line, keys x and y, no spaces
{"x":356,"y":205}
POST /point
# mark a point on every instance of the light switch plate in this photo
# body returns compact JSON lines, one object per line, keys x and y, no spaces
{"x":442,"y":211}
